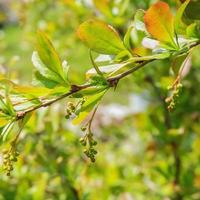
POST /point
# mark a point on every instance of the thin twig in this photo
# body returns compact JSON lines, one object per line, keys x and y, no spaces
{"x":76,"y":88}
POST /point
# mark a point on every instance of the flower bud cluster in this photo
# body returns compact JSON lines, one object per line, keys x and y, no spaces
{"x":71,"y":108}
{"x":88,"y":142}
{"x":173,"y":99}
{"x":9,"y":157}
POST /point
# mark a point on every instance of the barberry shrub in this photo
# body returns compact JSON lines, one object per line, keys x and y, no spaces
{"x":160,"y":34}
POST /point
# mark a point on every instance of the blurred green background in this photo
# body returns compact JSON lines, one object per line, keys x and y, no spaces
{"x":136,"y":160}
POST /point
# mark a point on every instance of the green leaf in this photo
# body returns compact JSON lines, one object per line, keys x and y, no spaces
{"x":158,"y":56}
{"x":89,"y":91}
{"x":10,"y":108}
{"x":49,"y":56}
{"x":6,"y":106}
{"x":31,"y":91}
{"x":193,"y":30}
{"x":4,"y":119}
{"x":178,"y":23}
{"x":177,"y":63}
{"x":23,"y":121}
{"x":105,"y":69}
{"x":6,"y":130}
{"x":43,"y":81}
{"x":100,"y":37}
{"x":43,"y":69}
{"x":139,"y":21}
{"x":127,"y":38}
{"x":114,"y":69}
{"x":89,"y":104}
{"x":3,"y":106}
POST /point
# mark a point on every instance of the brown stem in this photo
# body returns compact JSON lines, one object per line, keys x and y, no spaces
{"x":75,"y":88}
{"x":115,"y":79}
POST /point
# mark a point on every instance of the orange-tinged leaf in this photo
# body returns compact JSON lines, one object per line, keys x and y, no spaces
{"x":159,"y":22}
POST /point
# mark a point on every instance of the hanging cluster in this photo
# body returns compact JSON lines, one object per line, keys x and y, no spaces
{"x":88,"y":142}
{"x":9,"y":157}
{"x":174,"y":98}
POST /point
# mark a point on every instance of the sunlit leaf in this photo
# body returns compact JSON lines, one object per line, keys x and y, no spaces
{"x":3,"y":121}
{"x":43,"y":69}
{"x":48,"y":55}
{"x":100,"y":37}
{"x":31,"y":90}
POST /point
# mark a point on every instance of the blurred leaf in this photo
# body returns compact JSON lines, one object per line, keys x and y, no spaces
{"x":139,"y":20}
{"x":6,"y":106}
{"x":6,"y":130}
{"x":26,"y":118}
{"x":178,"y":23}
{"x":193,"y":30}
{"x":3,"y":121}
{"x":177,"y":63}
{"x":127,"y":38}
{"x":159,"y":22}
{"x":100,"y":37}
{"x":31,"y":91}
{"x":103,"y":7}
{"x":158,"y":56}
{"x":192,"y":11}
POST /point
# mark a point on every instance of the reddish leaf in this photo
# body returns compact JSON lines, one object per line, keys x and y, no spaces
{"x":159,"y":22}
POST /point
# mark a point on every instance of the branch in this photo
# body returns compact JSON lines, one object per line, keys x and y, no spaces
{"x":74,"y":89}
{"x":112,"y":82}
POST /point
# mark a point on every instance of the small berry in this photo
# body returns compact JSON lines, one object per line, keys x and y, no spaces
{"x":83,"y":128}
